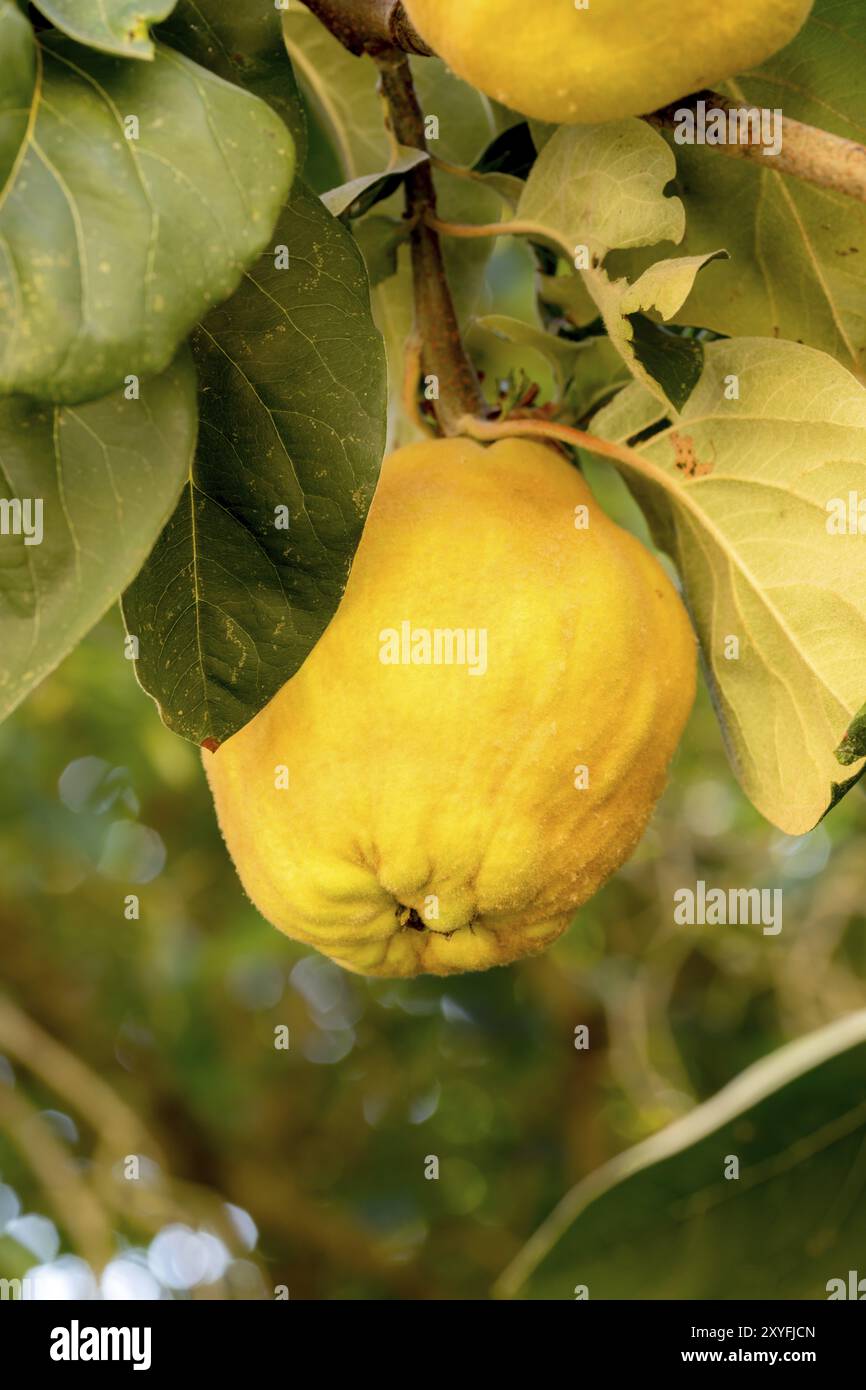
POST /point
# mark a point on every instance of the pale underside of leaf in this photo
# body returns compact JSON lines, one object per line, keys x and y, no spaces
{"x":737,"y":491}
{"x":594,"y":188}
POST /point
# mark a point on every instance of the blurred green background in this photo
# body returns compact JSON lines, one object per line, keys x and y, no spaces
{"x":303,"y":1170}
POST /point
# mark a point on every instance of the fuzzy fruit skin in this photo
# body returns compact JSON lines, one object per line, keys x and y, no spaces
{"x":614,"y":59}
{"x":412,"y":780}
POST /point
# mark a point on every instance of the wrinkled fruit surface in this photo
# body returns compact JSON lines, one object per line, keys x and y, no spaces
{"x":616,"y":58}
{"x":432,"y":820}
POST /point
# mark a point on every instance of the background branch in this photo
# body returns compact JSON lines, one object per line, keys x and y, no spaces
{"x":117,"y":1125}
{"x":77,"y":1209}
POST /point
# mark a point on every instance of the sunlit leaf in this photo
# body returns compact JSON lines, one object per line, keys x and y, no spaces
{"x":594,"y":188}
{"x":741,"y":489}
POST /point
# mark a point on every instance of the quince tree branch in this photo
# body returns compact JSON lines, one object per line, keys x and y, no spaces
{"x":438,"y":332}
{"x":806,"y":152}
{"x":381,"y":29}
{"x":369,"y":26}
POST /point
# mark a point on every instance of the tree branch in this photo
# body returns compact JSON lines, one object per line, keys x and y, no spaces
{"x":369,"y":26}
{"x":807,"y":153}
{"x":78,"y":1210}
{"x":442,"y":353}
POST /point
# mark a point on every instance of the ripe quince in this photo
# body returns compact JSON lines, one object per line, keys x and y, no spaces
{"x":477,"y":740}
{"x":559,"y":62}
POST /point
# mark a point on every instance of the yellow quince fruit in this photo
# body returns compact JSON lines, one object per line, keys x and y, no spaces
{"x":477,"y":740}
{"x":614,"y":58}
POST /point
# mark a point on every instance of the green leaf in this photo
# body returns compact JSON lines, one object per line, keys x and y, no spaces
{"x":568,"y":294}
{"x":668,"y":364}
{"x":798,"y":251}
{"x":853,"y":746}
{"x":114,"y":247}
{"x":342,"y":88}
{"x":292,"y":408}
{"x":108,"y":474}
{"x":17,"y":84}
{"x":359,"y":195}
{"x":561,"y":353}
{"x":740,"y":493}
{"x":114,"y":26}
{"x":661,"y":1220}
{"x":379,"y":240}
{"x":242,"y":44}
{"x":674,"y":362}
{"x":599,"y":371}
{"x":511,"y":152}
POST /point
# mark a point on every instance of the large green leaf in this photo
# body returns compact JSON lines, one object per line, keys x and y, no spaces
{"x":108,"y":474}
{"x":663,"y":1221}
{"x":17,"y":84}
{"x":741,"y":489}
{"x":292,"y":417}
{"x":244,"y":44}
{"x":114,"y":247}
{"x":798,"y":251}
{"x":114,"y":26}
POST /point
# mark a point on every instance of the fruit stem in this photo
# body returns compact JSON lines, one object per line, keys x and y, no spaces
{"x":530,"y":426}
{"x":443,"y":357}
{"x":369,"y":26}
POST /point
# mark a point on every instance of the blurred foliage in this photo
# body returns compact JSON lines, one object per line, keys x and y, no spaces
{"x":325,"y":1145}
